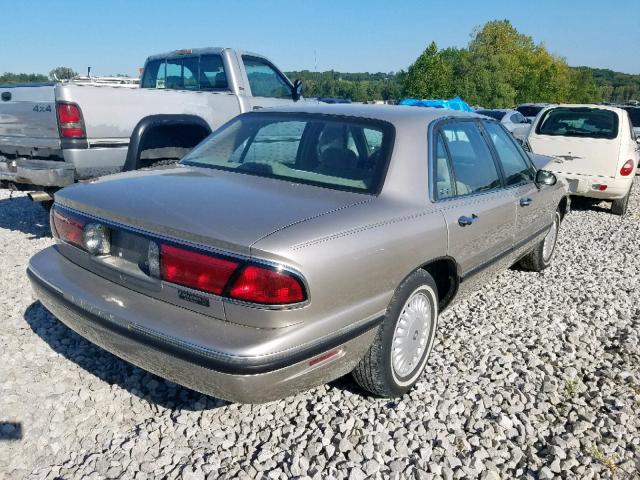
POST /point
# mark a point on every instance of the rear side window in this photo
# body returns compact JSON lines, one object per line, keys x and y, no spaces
{"x":185,"y":73}
{"x":634,"y":115}
{"x":444,"y":178}
{"x":473,"y":167}
{"x":579,"y":122}
{"x":515,"y":168}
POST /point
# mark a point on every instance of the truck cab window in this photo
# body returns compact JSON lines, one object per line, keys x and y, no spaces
{"x":264,"y":80}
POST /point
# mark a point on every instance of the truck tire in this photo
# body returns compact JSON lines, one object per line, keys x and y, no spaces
{"x":619,"y":207}
{"x":396,"y":359}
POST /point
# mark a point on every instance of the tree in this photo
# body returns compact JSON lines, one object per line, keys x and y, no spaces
{"x":62,"y":73}
{"x":430,"y":76}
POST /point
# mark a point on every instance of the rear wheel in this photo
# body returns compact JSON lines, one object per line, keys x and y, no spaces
{"x":619,"y":207}
{"x":540,"y":257}
{"x":399,"y":353}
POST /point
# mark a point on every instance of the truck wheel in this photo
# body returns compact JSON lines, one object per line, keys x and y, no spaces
{"x":619,"y":207}
{"x":399,"y":353}
{"x":540,"y":257}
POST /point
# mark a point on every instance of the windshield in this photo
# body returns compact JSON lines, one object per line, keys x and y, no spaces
{"x":579,"y":122}
{"x":343,"y":153}
{"x":205,"y":72}
{"x":634,"y":115}
{"x":529,"y":110}
{"x":497,"y":114}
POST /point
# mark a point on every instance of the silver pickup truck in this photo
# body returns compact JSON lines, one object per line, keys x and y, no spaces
{"x":54,"y":134}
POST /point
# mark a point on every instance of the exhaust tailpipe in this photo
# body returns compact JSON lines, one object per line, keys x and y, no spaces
{"x":40,"y":197}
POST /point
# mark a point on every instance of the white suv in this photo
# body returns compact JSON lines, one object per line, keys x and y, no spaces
{"x":595,"y":150}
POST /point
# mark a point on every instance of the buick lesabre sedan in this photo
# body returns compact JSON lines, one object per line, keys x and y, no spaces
{"x":296,"y":245}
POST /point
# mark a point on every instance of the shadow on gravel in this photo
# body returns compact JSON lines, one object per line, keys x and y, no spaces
{"x":582,"y":204}
{"x":23,"y":215}
{"x":111,"y":369}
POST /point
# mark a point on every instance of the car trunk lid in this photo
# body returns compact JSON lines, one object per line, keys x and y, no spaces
{"x":218,"y":209}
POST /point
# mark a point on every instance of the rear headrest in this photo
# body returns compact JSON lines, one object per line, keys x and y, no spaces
{"x":338,"y":158}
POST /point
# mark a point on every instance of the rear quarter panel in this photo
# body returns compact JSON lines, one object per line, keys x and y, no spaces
{"x":354,"y":259}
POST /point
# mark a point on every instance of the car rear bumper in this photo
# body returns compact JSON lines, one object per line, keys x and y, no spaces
{"x":71,"y":294}
{"x":39,"y":173}
{"x":587,"y":185}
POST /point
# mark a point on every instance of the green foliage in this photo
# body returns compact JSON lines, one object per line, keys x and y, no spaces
{"x":359,"y":87}
{"x":9,"y":78}
{"x":431,"y":76}
{"x":62,"y":73}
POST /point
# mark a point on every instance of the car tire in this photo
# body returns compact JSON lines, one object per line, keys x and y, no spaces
{"x":540,"y":257}
{"x":388,"y":372}
{"x":619,"y":207}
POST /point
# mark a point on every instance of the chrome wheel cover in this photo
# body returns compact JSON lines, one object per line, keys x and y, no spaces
{"x":550,"y":241}
{"x":412,"y":334}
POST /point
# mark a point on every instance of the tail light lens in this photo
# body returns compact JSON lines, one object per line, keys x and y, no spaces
{"x":627,"y":168}
{"x":70,"y":120}
{"x":68,"y":227}
{"x":224,"y":276}
{"x":195,"y":270}
{"x":263,"y":285}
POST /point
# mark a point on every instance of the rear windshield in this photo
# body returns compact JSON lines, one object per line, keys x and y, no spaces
{"x":343,"y":153}
{"x":205,"y":72}
{"x":492,"y":113}
{"x":529,"y":110}
{"x":579,"y":122}
{"x":634,"y":115}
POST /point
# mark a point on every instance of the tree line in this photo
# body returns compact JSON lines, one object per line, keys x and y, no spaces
{"x":500,"y":67}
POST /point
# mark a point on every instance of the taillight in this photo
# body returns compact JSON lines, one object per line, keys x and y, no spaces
{"x":68,"y":227}
{"x":195,"y":270}
{"x":263,"y":285}
{"x":70,"y":120}
{"x":627,"y":168}
{"x":223,"y":276}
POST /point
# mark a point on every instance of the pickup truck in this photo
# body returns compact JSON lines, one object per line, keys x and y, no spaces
{"x":55,"y":134}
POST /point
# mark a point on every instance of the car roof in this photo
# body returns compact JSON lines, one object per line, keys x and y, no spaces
{"x":186,"y":52}
{"x":616,"y":109}
{"x":395,"y":114}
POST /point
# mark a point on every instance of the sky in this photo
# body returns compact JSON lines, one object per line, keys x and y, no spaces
{"x":350,"y":36}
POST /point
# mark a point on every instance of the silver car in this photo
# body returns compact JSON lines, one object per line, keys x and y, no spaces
{"x":296,"y":245}
{"x":517,"y":124}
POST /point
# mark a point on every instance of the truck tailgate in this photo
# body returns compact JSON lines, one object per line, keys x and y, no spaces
{"x":28,"y":119}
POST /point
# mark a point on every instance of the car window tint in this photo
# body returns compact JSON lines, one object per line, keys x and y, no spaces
{"x":473,"y":167}
{"x":154,"y":74}
{"x":264,"y":80}
{"x":579,"y":122}
{"x":299,"y":147}
{"x":212,"y":74}
{"x":515,"y":168}
{"x":190,"y":68}
{"x":276,"y":143}
{"x":444,"y":181}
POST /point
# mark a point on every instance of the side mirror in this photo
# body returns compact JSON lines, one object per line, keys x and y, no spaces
{"x":543,"y":177}
{"x":296,"y":92}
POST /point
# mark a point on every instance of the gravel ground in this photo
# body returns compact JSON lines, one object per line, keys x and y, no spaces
{"x":536,"y":376}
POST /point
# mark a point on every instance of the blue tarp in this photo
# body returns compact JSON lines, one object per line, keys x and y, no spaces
{"x":455,"y":103}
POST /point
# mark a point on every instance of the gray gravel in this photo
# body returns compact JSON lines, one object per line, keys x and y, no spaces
{"x":536,"y":376}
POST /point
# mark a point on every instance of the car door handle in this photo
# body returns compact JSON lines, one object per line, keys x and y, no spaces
{"x":257,"y":107}
{"x":465,"y":221}
{"x":525,"y":202}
